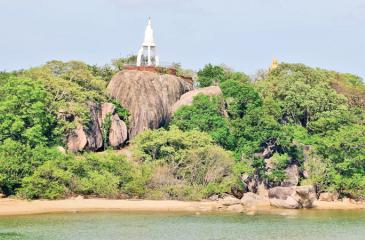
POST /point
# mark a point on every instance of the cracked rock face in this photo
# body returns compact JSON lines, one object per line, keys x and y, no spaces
{"x":148,"y":96}
{"x":118,"y":132}
{"x":292,"y":197}
{"x":90,"y":136}
{"x":77,"y":140}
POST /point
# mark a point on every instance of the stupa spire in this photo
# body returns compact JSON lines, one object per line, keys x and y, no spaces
{"x":274,"y":64}
{"x":147,"y":53}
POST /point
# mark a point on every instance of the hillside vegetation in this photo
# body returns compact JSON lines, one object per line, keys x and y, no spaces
{"x":257,"y":129}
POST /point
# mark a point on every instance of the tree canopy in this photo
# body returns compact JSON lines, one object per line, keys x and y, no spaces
{"x":291,"y":115}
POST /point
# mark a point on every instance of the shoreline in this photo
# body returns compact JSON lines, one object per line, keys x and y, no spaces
{"x":12,"y":207}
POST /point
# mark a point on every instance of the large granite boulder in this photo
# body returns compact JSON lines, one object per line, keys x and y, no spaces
{"x":148,"y":96}
{"x":254,"y":200}
{"x":118,"y":132}
{"x":292,"y":197}
{"x":106,"y":109}
{"x":77,"y":140}
{"x":90,"y":135}
{"x":306,"y":195}
{"x":187,"y":98}
{"x":93,"y":129}
{"x":229,"y":200}
{"x":328,"y":196}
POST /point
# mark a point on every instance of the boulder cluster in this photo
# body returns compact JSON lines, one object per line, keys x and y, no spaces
{"x":90,"y":136}
{"x":280,"y":197}
{"x":151,"y":99}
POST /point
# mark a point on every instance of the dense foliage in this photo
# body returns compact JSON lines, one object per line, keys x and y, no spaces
{"x":100,"y":175}
{"x":206,"y":115}
{"x":187,"y":165}
{"x":38,"y":108}
{"x":291,"y":115}
{"x":214,"y":75}
{"x":26,"y":113}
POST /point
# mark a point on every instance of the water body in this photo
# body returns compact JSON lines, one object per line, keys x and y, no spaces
{"x":301,"y":225}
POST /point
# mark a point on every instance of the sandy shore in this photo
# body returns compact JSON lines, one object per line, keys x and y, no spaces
{"x":339,"y":205}
{"x":22,"y":207}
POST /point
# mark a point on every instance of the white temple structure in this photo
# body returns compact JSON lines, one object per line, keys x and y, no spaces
{"x":147,"y":53}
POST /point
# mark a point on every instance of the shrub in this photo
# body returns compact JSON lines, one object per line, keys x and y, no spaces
{"x":206,"y":114}
{"x":166,"y":145}
{"x":187,"y":165}
{"x":103,"y":175}
{"x":18,"y":161}
{"x":51,"y":181}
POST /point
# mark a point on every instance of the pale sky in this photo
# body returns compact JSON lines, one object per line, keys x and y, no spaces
{"x":243,"y":34}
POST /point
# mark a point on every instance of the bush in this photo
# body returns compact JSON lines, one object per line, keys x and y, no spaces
{"x":206,"y":114}
{"x":102,"y":175}
{"x":344,"y":152}
{"x":205,"y":165}
{"x":101,"y":183}
{"x":163,"y":145}
{"x":18,"y":161}
{"x":51,"y":181}
{"x":187,"y":165}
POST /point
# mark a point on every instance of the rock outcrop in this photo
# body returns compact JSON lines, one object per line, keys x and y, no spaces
{"x":90,"y":136}
{"x":93,"y":130}
{"x":77,"y":140}
{"x":229,"y":200}
{"x":328,"y":196}
{"x":187,"y":98}
{"x":254,"y":200}
{"x":250,"y":183}
{"x":148,"y":96}
{"x":118,"y":132}
{"x":292,"y":197}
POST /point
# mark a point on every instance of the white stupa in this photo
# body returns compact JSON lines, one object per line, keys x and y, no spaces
{"x":147,"y":53}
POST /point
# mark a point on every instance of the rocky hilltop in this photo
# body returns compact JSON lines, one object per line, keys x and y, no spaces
{"x":148,"y":96}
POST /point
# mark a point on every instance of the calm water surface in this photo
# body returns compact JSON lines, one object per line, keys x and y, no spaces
{"x":296,"y":225}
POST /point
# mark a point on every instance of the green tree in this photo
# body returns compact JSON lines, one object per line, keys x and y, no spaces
{"x":18,"y":161}
{"x":240,"y":97}
{"x":214,"y":75}
{"x":210,"y":75}
{"x":302,"y":92}
{"x":205,"y":114}
{"x":345,"y":150}
{"x":26,"y":114}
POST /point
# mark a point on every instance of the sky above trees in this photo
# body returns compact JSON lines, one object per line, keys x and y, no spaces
{"x":244,"y":34}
